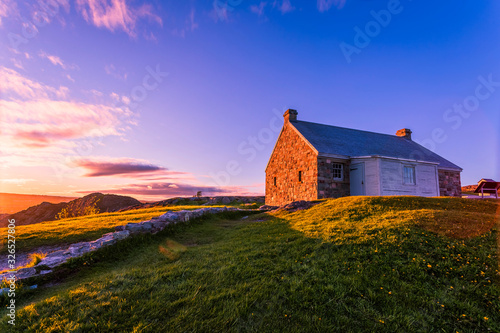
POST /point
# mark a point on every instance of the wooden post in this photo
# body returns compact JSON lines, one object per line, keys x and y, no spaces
{"x":482,"y":193}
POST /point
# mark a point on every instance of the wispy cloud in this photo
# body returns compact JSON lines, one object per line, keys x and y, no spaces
{"x":220,"y":10}
{"x":8,"y":8}
{"x":284,"y":6}
{"x":189,"y":25}
{"x":16,"y":181}
{"x":325,"y":5}
{"x":55,"y":60}
{"x":116,"y":166}
{"x":116,"y":14}
{"x":258,"y":9}
{"x":15,"y":86}
{"x":114,"y":72}
{"x":40,"y":123}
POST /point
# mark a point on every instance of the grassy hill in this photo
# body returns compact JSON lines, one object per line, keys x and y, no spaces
{"x":357,"y":264}
{"x":79,"y":229}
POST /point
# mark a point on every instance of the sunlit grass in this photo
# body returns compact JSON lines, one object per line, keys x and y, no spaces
{"x":84,"y":228}
{"x":332,"y":268}
{"x":358,"y":219}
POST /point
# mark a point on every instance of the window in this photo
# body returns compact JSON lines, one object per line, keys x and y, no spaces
{"x":300,"y":176}
{"x":338,"y":171}
{"x":408,"y":175}
{"x":274,"y":181}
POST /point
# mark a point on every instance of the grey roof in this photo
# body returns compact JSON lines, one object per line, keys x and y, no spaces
{"x":350,"y":142}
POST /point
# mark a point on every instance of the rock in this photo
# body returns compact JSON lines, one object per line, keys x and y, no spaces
{"x":226,"y":200}
{"x":33,"y":286}
{"x":169,"y":217}
{"x":79,"y":249}
{"x":133,"y":227}
{"x":267,"y":207}
{"x":147,"y":226}
{"x":244,"y":217}
{"x":119,"y":228}
{"x":103,"y":241}
{"x":55,"y":258}
{"x":4,"y":290}
{"x":53,"y":261}
{"x":298,"y":205}
{"x":56,"y":254}
{"x":25,"y":273}
{"x":181,"y":215}
{"x":158,"y":226}
{"x":119,"y":235}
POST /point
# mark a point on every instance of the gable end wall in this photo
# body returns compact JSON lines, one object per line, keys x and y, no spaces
{"x":291,"y":155}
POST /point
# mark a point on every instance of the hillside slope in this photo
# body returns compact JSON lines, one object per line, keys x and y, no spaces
{"x":92,"y":203}
{"x":359,"y":264}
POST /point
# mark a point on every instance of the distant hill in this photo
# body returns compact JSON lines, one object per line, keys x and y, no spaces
{"x":90,"y":204}
{"x":469,"y":188}
{"x":11,"y":203}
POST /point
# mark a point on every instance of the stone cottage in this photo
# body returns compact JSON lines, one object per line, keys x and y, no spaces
{"x":315,"y":161}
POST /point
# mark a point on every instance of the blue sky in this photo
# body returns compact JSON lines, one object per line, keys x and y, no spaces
{"x":162,"y":98}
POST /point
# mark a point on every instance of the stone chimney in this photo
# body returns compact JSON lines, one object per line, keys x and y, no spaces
{"x":404,"y":133}
{"x":290,"y":115}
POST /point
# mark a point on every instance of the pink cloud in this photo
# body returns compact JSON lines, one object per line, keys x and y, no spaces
{"x":114,"y":167}
{"x":8,"y":8}
{"x":115,"y":14}
{"x":40,"y":125}
{"x":325,"y":5}
{"x":55,"y":60}
{"x":113,"y":71}
{"x":220,"y":11}
{"x":189,"y":25}
{"x":259,"y":10}
{"x":14,"y":86}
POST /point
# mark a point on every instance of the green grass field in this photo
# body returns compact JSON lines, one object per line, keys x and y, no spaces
{"x":79,"y":229}
{"x":358,"y":264}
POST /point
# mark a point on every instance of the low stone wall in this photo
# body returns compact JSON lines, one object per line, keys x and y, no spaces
{"x":76,"y":250}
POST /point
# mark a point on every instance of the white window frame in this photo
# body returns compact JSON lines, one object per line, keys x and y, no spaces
{"x":341,"y":171}
{"x":413,"y":177}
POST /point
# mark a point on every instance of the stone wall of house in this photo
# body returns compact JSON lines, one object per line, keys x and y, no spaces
{"x":449,"y":183}
{"x":291,"y":155}
{"x":327,"y":186}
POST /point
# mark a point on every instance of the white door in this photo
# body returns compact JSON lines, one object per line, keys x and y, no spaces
{"x":357,"y":176}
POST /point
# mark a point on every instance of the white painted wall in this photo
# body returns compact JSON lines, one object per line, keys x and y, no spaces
{"x":384,"y":176}
{"x":391,"y":178}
